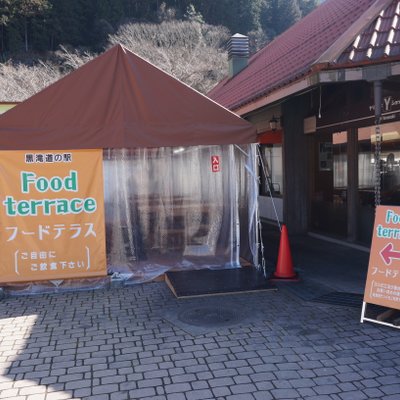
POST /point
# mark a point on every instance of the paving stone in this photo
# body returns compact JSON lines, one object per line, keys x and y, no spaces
{"x":176,"y":396}
{"x":307,"y":373}
{"x":325,"y":380}
{"x":84,"y":383}
{"x":57,"y":396}
{"x":322,"y":372}
{"x":227,"y":381}
{"x":113,"y":379}
{"x":200,"y":385}
{"x":150,"y":383}
{"x":264,"y":386}
{"x":243,"y":388}
{"x":199,"y":394}
{"x":263,"y":395}
{"x":120,"y":396}
{"x":391,"y":389}
{"x":103,"y":389}
{"x":221,"y":391}
{"x":370,"y":383}
{"x":177,"y":388}
{"x":246,"y":396}
{"x":242,"y":379}
{"x":373,"y":393}
{"x":282,"y":384}
{"x":98,"y":397}
{"x":347,"y":387}
{"x":204,"y":375}
{"x":142,"y":393}
{"x":356,"y":395}
{"x":4,"y":394}
{"x":306,"y":392}
{"x":389,"y":380}
{"x":302,"y":383}
{"x":183,"y":378}
{"x":166,"y":372}
{"x":225,"y":372}
{"x":70,"y":377}
{"x":349,"y":377}
{"x":285,"y":393}
{"x":31,"y":390}
{"x":327,"y":389}
{"x":262,"y":376}
{"x":83,"y":392}
{"x":129,"y":385}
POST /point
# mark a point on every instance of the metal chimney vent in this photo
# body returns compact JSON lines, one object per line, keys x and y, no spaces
{"x":238,"y":53}
{"x":238,"y":46}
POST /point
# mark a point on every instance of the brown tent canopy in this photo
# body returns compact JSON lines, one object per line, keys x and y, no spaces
{"x":119,"y":100}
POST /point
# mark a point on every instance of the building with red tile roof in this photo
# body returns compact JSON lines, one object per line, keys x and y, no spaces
{"x":318,"y":41}
{"x":332,"y":83}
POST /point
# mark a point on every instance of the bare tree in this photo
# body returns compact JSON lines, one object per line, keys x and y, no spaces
{"x":73,"y":59}
{"x":18,"y":82}
{"x":188,"y":50}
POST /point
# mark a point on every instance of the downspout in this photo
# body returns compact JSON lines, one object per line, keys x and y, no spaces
{"x":378,"y":141}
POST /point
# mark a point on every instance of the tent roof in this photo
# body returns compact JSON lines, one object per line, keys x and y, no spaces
{"x":119,"y":100}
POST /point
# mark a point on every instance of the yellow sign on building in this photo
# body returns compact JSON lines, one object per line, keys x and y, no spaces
{"x":51,"y":215}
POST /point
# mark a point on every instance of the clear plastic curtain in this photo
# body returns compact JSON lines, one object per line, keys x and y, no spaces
{"x":166,"y":208}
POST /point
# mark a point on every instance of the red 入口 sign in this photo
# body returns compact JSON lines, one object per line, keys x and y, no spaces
{"x":215,"y":164}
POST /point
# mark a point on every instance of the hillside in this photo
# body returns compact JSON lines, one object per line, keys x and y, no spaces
{"x":40,"y":40}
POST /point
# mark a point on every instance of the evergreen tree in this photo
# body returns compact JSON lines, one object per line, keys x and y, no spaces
{"x":246,"y":16}
{"x":214,"y":12}
{"x":6,"y":13}
{"x":27,"y":10}
{"x":192,"y":15}
{"x":165,"y":13}
{"x":45,"y":24}
{"x":306,"y":6}
{"x":279,"y":15}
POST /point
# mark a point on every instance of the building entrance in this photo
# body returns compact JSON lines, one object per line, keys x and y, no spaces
{"x":343,"y":180}
{"x":329,"y":184}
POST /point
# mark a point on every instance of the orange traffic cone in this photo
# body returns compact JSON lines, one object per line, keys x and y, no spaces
{"x":284,"y":266}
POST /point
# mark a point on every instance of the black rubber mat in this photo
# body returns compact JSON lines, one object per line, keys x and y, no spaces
{"x":306,"y":290}
{"x":341,"y":299}
{"x":346,"y":299}
{"x":207,"y":282}
{"x":318,"y":293}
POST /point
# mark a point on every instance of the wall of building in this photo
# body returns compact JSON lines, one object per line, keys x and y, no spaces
{"x":295,"y":161}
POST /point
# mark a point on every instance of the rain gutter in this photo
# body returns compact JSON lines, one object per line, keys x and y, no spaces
{"x":321,"y":76}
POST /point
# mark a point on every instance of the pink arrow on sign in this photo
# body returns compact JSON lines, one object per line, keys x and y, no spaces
{"x":388,"y":254}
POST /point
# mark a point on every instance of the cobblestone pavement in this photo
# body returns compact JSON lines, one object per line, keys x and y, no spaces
{"x":122,"y":343}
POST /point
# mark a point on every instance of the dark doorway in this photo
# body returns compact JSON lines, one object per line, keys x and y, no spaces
{"x":329,"y":185}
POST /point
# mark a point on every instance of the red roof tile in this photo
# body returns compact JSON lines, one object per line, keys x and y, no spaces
{"x":291,"y":54}
{"x":379,"y":40}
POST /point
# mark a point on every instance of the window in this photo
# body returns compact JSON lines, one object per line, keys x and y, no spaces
{"x":389,"y":163}
{"x":389,"y":175}
{"x":273,"y":167}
